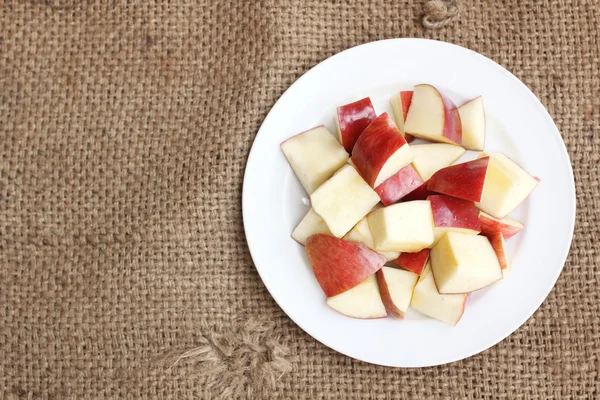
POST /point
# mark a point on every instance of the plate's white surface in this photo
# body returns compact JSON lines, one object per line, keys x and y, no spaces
{"x":517,"y":124}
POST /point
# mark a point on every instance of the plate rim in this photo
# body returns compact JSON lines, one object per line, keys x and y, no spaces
{"x":252,"y":155}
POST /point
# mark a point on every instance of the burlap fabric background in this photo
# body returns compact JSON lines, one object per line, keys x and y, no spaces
{"x":124,"y":132}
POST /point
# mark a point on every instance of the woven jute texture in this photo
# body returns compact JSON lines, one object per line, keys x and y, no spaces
{"x":124,"y":132}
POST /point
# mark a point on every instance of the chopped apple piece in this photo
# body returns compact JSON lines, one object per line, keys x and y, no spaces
{"x":315,"y":156}
{"x":430,"y":158}
{"x":433,"y":116}
{"x":343,"y":200}
{"x":448,"y":308}
{"x":414,"y":262}
{"x":310,"y":225}
{"x":453,"y":215}
{"x":506,"y":186}
{"x":396,"y":288}
{"x":400,"y":105}
{"x":463,"y":263}
{"x":507,"y":226}
{"x":362,"y":301}
{"x":362,"y":233}
{"x":472,"y":117}
{"x":402,"y":227}
{"x":352,"y":119}
{"x":380,"y":151}
{"x":464,"y":181}
{"x":399,"y":185}
{"x":340,"y":265}
{"x":499,"y":246}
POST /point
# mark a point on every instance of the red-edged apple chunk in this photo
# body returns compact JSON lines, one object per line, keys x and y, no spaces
{"x":400,"y":105}
{"x":472,"y":117}
{"x":499,"y":246}
{"x":433,"y":116}
{"x":380,"y":151}
{"x":352,"y":119}
{"x":448,"y":308}
{"x":396,"y":288}
{"x":507,"y":185}
{"x":362,"y":301}
{"x":453,"y":215}
{"x":414,"y":262}
{"x":343,"y":200}
{"x":463,"y":263}
{"x":464,"y":181}
{"x":399,"y":185}
{"x":507,"y":226}
{"x":430,"y":158}
{"x":310,"y":225}
{"x":314,"y":156}
{"x":402,"y":227}
{"x":340,"y":265}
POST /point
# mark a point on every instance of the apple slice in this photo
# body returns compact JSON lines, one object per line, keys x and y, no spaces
{"x":448,"y":308}
{"x":402,"y":227}
{"x":380,"y":151}
{"x":420,"y":193}
{"x":396,"y":288}
{"x":362,"y":301}
{"x":463,"y":263}
{"x":343,"y":200}
{"x":340,"y":265}
{"x":352,"y":119}
{"x":507,"y":226}
{"x":399,"y":185}
{"x":453,"y":215}
{"x":400,"y":105}
{"x":362,"y":233}
{"x":499,"y":246}
{"x":414,"y":262}
{"x":465,"y":181}
{"x":507,"y":186}
{"x":311,"y":224}
{"x":315,"y":156}
{"x":472,"y":117}
{"x":430,"y":158}
{"x":433,"y":116}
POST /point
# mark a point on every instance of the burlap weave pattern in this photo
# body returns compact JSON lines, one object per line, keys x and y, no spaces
{"x":124,"y":132}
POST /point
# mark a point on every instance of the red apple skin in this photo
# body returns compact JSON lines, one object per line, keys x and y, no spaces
{"x":402,"y":183}
{"x":414,"y":262}
{"x":490,"y":226}
{"x":340,"y":265}
{"x":455,"y":213}
{"x":386,"y":297}
{"x":420,"y":193}
{"x":452,"y":123}
{"x":378,"y":142}
{"x":497,"y":242}
{"x":353,"y":119}
{"x":464,"y":181}
{"x":406,"y":98}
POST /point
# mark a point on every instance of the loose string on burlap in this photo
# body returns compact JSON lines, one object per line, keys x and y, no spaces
{"x":439,"y":13}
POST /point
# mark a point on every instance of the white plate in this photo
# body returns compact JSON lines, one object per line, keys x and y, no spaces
{"x":517,"y":124}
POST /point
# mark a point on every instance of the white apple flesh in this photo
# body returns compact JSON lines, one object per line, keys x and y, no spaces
{"x":472,"y":117}
{"x":314,"y":155}
{"x":311,"y":224}
{"x":430,"y":158}
{"x":463,"y":263}
{"x":362,"y":301}
{"x":448,"y":308}
{"x":343,"y":200}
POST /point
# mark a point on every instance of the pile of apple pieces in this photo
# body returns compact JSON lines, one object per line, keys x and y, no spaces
{"x":442,"y":226}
